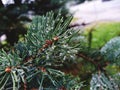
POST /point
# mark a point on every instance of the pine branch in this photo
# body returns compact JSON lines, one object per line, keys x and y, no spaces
{"x":87,"y":59}
{"x":96,"y":61}
{"x":47,"y":42}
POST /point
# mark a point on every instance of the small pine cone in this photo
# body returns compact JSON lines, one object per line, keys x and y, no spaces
{"x":45,"y":45}
{"x":34,"y":89}
{"x":40,"y":50}
{"x":42,"y":69}
{"x":62,"y":88}
{"x":8,"y":70}
{"x":49,"y":42}
{"x":56,"y":38}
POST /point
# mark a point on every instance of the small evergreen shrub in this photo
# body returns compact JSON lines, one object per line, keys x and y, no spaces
{"x":49,"y":46}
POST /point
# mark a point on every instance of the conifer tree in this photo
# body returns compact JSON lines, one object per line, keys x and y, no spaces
{"x":33,"y":62}
{"x":50,"y":45}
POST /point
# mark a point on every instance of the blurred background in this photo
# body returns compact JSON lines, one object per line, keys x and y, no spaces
{"x":16,"y":14}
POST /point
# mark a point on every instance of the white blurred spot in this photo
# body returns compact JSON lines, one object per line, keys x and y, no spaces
{"x":7,"y":2}
{"x":3,"y":37}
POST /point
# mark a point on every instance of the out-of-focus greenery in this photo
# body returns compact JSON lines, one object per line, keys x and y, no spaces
{"x":102,"y":32}
{"x":14,"y":16}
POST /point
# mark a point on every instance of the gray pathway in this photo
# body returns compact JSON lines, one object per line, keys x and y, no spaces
{"x":97,"y":11}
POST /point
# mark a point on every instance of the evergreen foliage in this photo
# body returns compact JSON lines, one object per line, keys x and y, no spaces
{"x":14,"y":16}
{"x":111,"y":50}
{"x":32,"y":63}
{"x":50,"y":45}
{"x":101,"y":82}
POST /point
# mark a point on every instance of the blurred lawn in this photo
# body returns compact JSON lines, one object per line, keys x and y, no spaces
{"x":102,"y":32}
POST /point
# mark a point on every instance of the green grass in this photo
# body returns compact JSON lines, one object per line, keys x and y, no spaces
{"x":102,"y":32}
